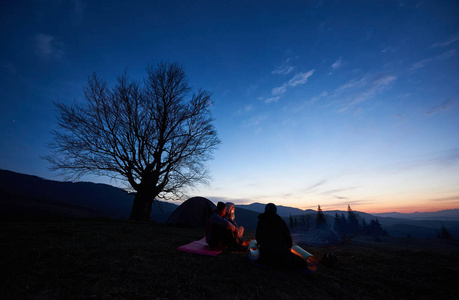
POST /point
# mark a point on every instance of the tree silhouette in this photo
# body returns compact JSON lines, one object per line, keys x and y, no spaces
{"x":352,"y":221}
{"x":305,"y":221}
{"x":364,"y":227}
{"x":375,"y":228}
{"x":443,"y":233}
{"x":320,"y":217}
{"x":154,"y":134}
{"x":341,"y":225}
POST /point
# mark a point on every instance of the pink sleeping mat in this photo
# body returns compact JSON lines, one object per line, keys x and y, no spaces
{"x":199,"y":247}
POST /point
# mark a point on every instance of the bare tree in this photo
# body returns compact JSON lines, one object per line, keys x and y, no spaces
{"x":155,"y":134}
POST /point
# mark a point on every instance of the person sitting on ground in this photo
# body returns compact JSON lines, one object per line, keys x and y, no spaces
{"x":274,"y":240}
{"x":220,"y":231}
{"x":230,"y":216}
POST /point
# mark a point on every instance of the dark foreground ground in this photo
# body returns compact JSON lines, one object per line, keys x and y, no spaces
{"x":105,"y":259}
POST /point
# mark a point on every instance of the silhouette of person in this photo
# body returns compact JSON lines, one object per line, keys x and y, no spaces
{"x":274,"y":240}
{"x":220,"y":234}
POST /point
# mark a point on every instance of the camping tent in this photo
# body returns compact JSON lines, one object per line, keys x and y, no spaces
{"x":194,"y":212}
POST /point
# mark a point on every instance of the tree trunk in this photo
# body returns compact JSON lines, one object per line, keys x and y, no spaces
{"x":141,"y":209}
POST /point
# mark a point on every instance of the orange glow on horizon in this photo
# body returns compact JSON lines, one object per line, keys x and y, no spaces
{"x":372,"y":206}
{"x":387,"y":209}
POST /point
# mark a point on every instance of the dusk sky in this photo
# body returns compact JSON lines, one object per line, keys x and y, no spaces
{"x":316,"y":102}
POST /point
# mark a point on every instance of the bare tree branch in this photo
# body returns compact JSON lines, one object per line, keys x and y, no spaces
{"x":155,"y":135}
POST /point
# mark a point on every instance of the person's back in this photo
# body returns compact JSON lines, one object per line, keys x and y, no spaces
{"x":272,"y":233}
{"x":275,"y":241}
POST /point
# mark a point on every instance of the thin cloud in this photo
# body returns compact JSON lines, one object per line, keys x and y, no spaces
{"x":446,"y":43}
{"x":446,"y":158}
{"x":384,"y":81}
{"x":441,"y":107}
{"x":272,"y":99}
{"x":285,"y":68}
{"x":298,"y":79}
{"x":320,"y":183}
{"x":424,"y":62}
{"x":320,"y":96}
{"x":388,"y":50}
{"x":446,"y":199}
{"x":246,"y":109}
{"x":350,"y":202}
{"x":376,"y":86}
{"x":443,"y":159}
{"x":334,"y":191}
{"x":299,"y":107}
{"x":357,"y":90}
{"x":351,"y":84}
{"x":280,"y":90}
{"x":337,"y":64}
{"x":256,"y":120}
{"x":47,"y":47}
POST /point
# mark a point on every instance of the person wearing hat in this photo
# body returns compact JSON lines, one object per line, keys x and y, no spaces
{"x":274,"y":240}
{"x":220,"y":231}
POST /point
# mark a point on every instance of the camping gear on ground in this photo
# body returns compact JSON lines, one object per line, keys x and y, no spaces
{"x":329,"y":259}
{"x":311,"y":262}
{"x":193,"y":213}
{"x":252,"y":251}
{"x":199,"y":247}
{"x":253,"y":254}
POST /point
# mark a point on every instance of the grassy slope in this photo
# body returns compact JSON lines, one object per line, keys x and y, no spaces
{"x":104,"y":259}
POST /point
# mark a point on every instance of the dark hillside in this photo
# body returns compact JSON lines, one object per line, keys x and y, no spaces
{"x":432,"y":224}
{"x":31,"y":196}
{"x":403,"y":230}
{"x":107,"y":200}
{"x":454,"y":231}
{"x":97,"y":259}
{"x":18,"y":207}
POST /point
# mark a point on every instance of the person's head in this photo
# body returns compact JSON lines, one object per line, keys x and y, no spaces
{"x":271,"y":208}
{"x":230,"y":210}
{"x":221,"y":208}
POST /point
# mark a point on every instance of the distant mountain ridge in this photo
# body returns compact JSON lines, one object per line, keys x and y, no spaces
{"x":448,"y":214}
{"x":283,"y":211}
{"x":31,"y":196}
{"x":412,"y":225}
{"x":286,"y":211}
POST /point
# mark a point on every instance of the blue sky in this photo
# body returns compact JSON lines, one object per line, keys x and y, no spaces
{"x":316,"y":102}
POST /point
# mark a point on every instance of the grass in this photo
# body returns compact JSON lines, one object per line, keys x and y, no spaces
{"x":107,"y":259}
